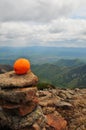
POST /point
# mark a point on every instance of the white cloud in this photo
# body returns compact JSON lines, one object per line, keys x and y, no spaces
{"x":43,"y":22}
{"x":58,"y":33}
{"x":37,"y":10}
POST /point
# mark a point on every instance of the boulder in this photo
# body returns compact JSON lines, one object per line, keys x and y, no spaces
{"x":18,"y":122}
{"x":18,"y":95}
{"x":12,"y":80}
{"x":57,"y":122}
{"x":20,"y":110}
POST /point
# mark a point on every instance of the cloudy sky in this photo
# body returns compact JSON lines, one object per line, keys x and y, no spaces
{"x":60,"y":23}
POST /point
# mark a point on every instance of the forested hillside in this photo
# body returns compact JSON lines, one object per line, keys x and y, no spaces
{"x":62,"y":76}
{"x":63,"y":73}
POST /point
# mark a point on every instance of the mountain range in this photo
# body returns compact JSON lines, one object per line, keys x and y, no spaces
{"x":62,"y":106}
{"x":70,"y":74}
{"x":40,"y":55}
{"x":61,"y":67}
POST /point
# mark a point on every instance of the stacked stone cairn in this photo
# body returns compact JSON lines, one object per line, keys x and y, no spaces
{"x":19,"y":109}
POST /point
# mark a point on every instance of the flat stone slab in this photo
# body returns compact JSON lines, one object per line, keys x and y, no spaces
{"x":64,"y":104}
{"x":19,"y":110}
{"x":18,"y":95}
{"x":11,"y":79}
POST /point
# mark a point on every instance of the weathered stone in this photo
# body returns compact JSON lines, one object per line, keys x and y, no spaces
{"x":4,"y":120}
{"x":44,"y":93}
{"x":36,"y":126}
{"x":57,"y":122}
{"x":10,"y":79}
{"x":48,"y":110}
{"x":64,"y":104}
{"x":19,"y":95}
{"x":20,"y":110}
{"x":26,"y":109}
{"x":71,"y":106}
{"x":17,"y":122}
{"x":41,"y":121}
{"x":48,"y":102}
{"x":62,"y":95}
{"x":65,"y":109}
{"x":8,"y":105}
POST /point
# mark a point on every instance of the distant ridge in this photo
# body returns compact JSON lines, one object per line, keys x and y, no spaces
{"x":62,"y":76}
{"x":40,"y":55}
{"x":70,"y":74}
{"x":69,"y":62}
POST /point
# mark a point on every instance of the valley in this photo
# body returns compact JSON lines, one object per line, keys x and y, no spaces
{"x":61,"y":67}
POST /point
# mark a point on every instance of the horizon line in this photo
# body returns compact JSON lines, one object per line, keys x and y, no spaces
{"x":43,"y":46}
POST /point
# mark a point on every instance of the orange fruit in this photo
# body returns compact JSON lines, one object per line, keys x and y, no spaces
{"x":21,"y":66}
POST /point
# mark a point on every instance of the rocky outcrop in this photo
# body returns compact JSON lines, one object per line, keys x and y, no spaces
{"x":64,"y":108}
{"x":23,"y":107}
{"x":19,"y":102}
{"x":12,"y":80}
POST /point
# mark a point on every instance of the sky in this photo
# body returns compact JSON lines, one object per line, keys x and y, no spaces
{"x":59,"y":23}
